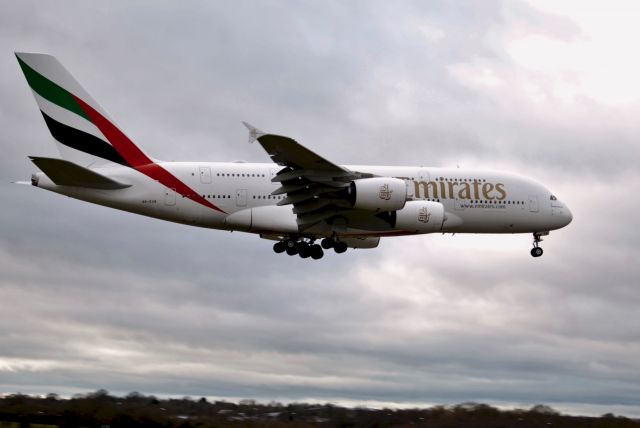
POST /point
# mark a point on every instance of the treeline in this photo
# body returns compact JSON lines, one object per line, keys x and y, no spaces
{"x":102,"y":410}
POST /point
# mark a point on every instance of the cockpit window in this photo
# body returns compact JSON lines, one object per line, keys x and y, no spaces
{"x":553,"y":198}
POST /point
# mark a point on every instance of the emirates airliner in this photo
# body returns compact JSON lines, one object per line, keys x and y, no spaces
{"x":298,"y":199}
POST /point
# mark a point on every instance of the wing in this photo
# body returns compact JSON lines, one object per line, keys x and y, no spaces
{"x":317,"y":188}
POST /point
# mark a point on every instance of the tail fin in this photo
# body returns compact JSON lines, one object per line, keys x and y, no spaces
{"x":84,"y":132}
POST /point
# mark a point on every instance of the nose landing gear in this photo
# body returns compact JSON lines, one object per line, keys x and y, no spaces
{"x":536,"y":251}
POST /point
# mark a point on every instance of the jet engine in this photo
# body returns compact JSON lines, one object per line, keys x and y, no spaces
{"x":378,"y":194}
{"x":419,"y":216}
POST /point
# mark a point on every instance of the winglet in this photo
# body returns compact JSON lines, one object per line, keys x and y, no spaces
{"x":254,"y":133}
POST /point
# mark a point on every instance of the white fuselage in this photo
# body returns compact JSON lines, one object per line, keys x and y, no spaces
{"x":475,"y":201}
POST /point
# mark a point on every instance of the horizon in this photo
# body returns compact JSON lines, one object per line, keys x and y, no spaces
{"x":347,"y":404}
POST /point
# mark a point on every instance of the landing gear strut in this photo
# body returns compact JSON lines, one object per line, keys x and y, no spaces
{"x":536,"y":251}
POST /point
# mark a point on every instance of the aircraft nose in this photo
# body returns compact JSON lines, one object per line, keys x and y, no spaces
{"x":568,"y":217}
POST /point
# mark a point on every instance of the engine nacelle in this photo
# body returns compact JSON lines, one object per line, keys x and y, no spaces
{"x":378,"y":194}
{"x":420,"y":216}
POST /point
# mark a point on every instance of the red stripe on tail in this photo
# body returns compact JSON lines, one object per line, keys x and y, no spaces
{"x":138,"y":160}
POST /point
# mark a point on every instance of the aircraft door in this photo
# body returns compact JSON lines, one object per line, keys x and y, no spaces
{"x":170,"y":196}
{"x":533,"y":203}
{"x":205,"y":175}
{"x":241,"y":197}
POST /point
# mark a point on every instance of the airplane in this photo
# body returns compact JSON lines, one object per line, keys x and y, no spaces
{"x":298,"y":199}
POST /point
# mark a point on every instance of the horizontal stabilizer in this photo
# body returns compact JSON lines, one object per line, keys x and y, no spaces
{"x":65,"y":173}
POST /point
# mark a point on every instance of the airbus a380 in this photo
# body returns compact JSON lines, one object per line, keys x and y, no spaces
{"x":297,"y":200}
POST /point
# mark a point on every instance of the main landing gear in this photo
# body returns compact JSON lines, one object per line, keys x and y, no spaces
{"x":304,"y":249}
{"x":338,"y":246}
{"x":536,"y":251}
{"x":307,"y":248}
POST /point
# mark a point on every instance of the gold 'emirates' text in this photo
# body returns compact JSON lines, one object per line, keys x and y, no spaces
{"x":459,"y":190}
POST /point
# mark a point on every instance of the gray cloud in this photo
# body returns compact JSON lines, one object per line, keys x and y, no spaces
{"x":93,"y":298}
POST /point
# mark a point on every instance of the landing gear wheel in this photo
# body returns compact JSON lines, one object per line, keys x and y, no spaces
{"x":290,"y":243}
{"x":279,"y":247}
{"x":291,"y":247}
{"x":340,"y":247}
{"x":316,"y":252}
{"x":304,"y":250}
{"x":536,"y":251}
{"x":327,"y":243}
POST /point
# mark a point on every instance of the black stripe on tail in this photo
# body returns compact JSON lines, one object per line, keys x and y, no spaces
{"x":82,"y":141}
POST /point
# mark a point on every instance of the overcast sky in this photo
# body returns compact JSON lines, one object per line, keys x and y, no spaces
{"x":95,"y":298}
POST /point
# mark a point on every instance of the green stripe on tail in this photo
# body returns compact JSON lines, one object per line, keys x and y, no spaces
{"x":51,"y":91}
